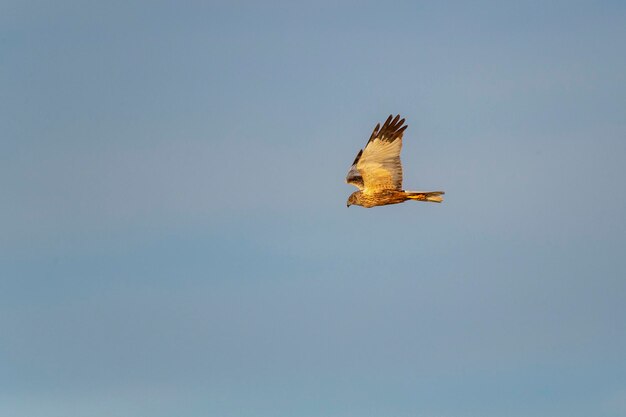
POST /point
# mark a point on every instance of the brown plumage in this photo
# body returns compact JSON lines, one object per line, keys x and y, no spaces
{"x":377,"y":170}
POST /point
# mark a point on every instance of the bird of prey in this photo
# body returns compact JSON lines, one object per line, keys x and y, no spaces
{"x":377,"y":170}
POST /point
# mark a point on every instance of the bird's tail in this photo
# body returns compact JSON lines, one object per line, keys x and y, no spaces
{"x":433,"y":196}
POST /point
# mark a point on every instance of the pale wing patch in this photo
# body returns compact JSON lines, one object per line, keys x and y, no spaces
{"x":380,"y":165}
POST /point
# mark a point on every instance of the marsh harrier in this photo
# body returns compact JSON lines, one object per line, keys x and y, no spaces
{"x":377,"y":170}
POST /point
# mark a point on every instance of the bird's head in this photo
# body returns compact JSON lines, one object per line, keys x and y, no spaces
{"x":353,"y":199}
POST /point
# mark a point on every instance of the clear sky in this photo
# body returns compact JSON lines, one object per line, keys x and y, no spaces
{"x":174,"y":239}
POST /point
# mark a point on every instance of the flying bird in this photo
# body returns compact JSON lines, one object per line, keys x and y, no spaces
{"x":377,"y":170}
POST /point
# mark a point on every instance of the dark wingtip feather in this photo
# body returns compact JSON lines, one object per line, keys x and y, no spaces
{"x":358,"y":156}
{"x":391,"y":130}
{"x":387,"y":122}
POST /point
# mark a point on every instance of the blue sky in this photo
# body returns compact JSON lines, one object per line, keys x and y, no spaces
{"x":175,"y":239}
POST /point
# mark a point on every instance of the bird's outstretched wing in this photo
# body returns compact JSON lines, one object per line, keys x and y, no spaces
{"x":354,"y":176}
{"x":378,"y":166}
